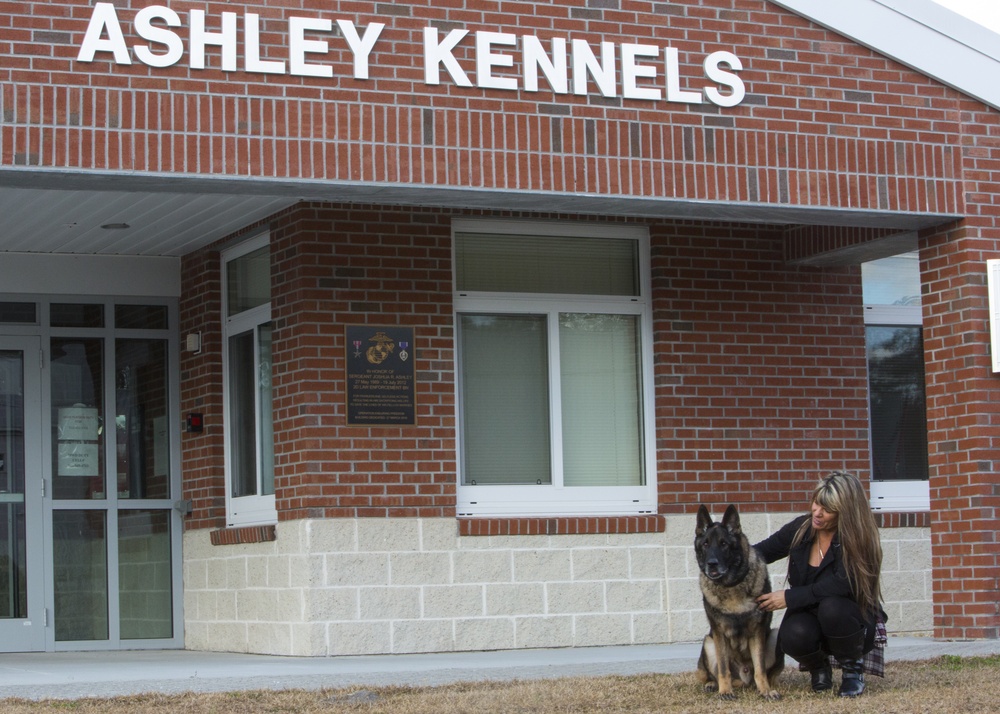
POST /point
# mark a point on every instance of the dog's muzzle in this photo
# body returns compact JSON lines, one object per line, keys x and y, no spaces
{"x":713,"y":571}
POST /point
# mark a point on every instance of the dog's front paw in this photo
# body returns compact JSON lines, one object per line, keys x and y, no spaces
{"x":771,"y":695}
{"x":728,"y":696}
{"x":711,"y":687}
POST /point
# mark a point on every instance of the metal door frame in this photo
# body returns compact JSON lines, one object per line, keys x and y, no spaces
{"x":29,"y":634}
{"x":41,"y":607}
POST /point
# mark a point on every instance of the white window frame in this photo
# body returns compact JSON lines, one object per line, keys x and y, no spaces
{"x":255,"y":509}
{"x":993,"y":289}
{"x":555,"y":498}
{"x":897,"y":495}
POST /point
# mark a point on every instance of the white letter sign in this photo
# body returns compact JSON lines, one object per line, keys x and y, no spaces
{"x":104,"y":19}
{"x":499,"y":60}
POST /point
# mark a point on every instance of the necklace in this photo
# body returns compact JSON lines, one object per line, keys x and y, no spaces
{"x":822,"y":552}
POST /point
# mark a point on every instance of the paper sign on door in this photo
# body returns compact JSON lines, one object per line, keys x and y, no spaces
{"x":78,"y":424}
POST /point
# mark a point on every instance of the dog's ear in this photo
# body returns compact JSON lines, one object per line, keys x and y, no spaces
{"x":731,"y":520}
{"x":704,"y":520}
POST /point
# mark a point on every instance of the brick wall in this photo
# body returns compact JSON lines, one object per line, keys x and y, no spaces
{"x":825,"y":122}
{"x":363,"y":265}
{"x":759,"y":367}
{"x":201,"y":389}
{"x":761,"y":375}
{"x":962,"y":396}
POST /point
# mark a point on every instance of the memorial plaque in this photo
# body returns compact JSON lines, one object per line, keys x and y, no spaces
{"x":381,"y":388}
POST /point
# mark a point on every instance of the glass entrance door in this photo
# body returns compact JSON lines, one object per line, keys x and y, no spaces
{"x":22,"y":601}
{"x":90,"y":526}
{"x":114,"y":526}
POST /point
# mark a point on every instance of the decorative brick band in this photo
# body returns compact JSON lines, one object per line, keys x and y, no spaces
{"x":916,"y":519}
{"x":247,"y":534}
{"x":560,"y":526}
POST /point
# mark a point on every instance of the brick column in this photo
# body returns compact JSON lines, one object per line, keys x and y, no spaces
{"x":963,"y":410}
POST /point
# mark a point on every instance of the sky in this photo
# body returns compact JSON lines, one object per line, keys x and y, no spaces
{"x":985,"y":12}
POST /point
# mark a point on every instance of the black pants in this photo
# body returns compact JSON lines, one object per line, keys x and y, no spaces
{"x":804,"y":632}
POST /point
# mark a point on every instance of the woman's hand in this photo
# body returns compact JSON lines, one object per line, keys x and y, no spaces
{"x":769,"y":602}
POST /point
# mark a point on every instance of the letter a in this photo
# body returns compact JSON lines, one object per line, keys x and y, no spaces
{"x":104,"y":18}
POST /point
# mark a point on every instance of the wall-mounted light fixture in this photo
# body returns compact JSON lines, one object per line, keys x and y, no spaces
{"x":192,"y":343}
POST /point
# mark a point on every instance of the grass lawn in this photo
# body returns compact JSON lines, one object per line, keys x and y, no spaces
{"x":939,"y":686}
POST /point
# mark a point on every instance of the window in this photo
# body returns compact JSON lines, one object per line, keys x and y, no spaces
{"x":554,"y":352}
{"x":896,"y":393}
{"x":247,"y":385}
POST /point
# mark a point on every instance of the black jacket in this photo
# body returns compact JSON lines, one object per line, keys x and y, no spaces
{"x":830,"y":580}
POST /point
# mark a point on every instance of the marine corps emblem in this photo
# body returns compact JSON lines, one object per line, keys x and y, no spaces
{"x":380,"y":351}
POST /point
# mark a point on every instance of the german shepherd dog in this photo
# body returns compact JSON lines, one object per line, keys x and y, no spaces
{"x":740,"y":646}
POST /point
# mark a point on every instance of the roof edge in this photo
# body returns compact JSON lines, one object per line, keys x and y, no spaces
{"x":965,"y":57}
{"x":503,"y":199}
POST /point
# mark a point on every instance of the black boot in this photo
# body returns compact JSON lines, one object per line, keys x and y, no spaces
{"x":852,"y":682}
{"x":820,"y":672}
{"x":849,"y":652}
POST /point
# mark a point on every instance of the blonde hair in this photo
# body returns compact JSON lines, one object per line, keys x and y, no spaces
{"x":842,"y":493}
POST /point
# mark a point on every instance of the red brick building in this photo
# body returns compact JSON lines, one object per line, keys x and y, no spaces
{"x":427,"y":327}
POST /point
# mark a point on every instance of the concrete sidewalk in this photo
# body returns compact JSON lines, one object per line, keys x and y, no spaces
{"x":72,"y":675}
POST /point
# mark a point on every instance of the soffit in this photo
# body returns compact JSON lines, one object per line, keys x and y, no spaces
{"x":44,"y":220}
{"x":59,"y":212}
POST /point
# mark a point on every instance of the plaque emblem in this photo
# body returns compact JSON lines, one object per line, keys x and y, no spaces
{"x":379,"y":352}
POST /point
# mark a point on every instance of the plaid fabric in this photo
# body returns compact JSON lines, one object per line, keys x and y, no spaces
{"x":874,"y":659}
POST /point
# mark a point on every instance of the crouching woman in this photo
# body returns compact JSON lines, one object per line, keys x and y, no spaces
{"x":834,"y":593}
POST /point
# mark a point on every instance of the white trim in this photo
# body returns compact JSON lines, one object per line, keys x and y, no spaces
{"x":90,"y":275}
{"x":556,"y":499}
{"x":515,"y":501}
{"x":566,"y":229}
{"x":893,"y":315}
{"x":900,"y":495}
{"x":257,"y":509}
{"x":993,"y":288}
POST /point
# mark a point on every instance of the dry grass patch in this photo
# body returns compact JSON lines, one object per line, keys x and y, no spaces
{"x":942,"y":686}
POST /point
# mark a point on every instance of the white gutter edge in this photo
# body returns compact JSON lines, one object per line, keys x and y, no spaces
{"x":920,"y":34}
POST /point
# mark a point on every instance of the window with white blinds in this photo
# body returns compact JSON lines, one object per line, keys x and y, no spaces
{"x":554,"y":356}
{"x":505,"y":385}
{"x":601,"y":399}
{"x":546,"y":264}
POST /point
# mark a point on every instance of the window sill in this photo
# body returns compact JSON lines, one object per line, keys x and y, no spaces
{"x":903,"y":519}
{"x":244,"y":535}
{"x":582,"y":525}
{"x":471,"y":527}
